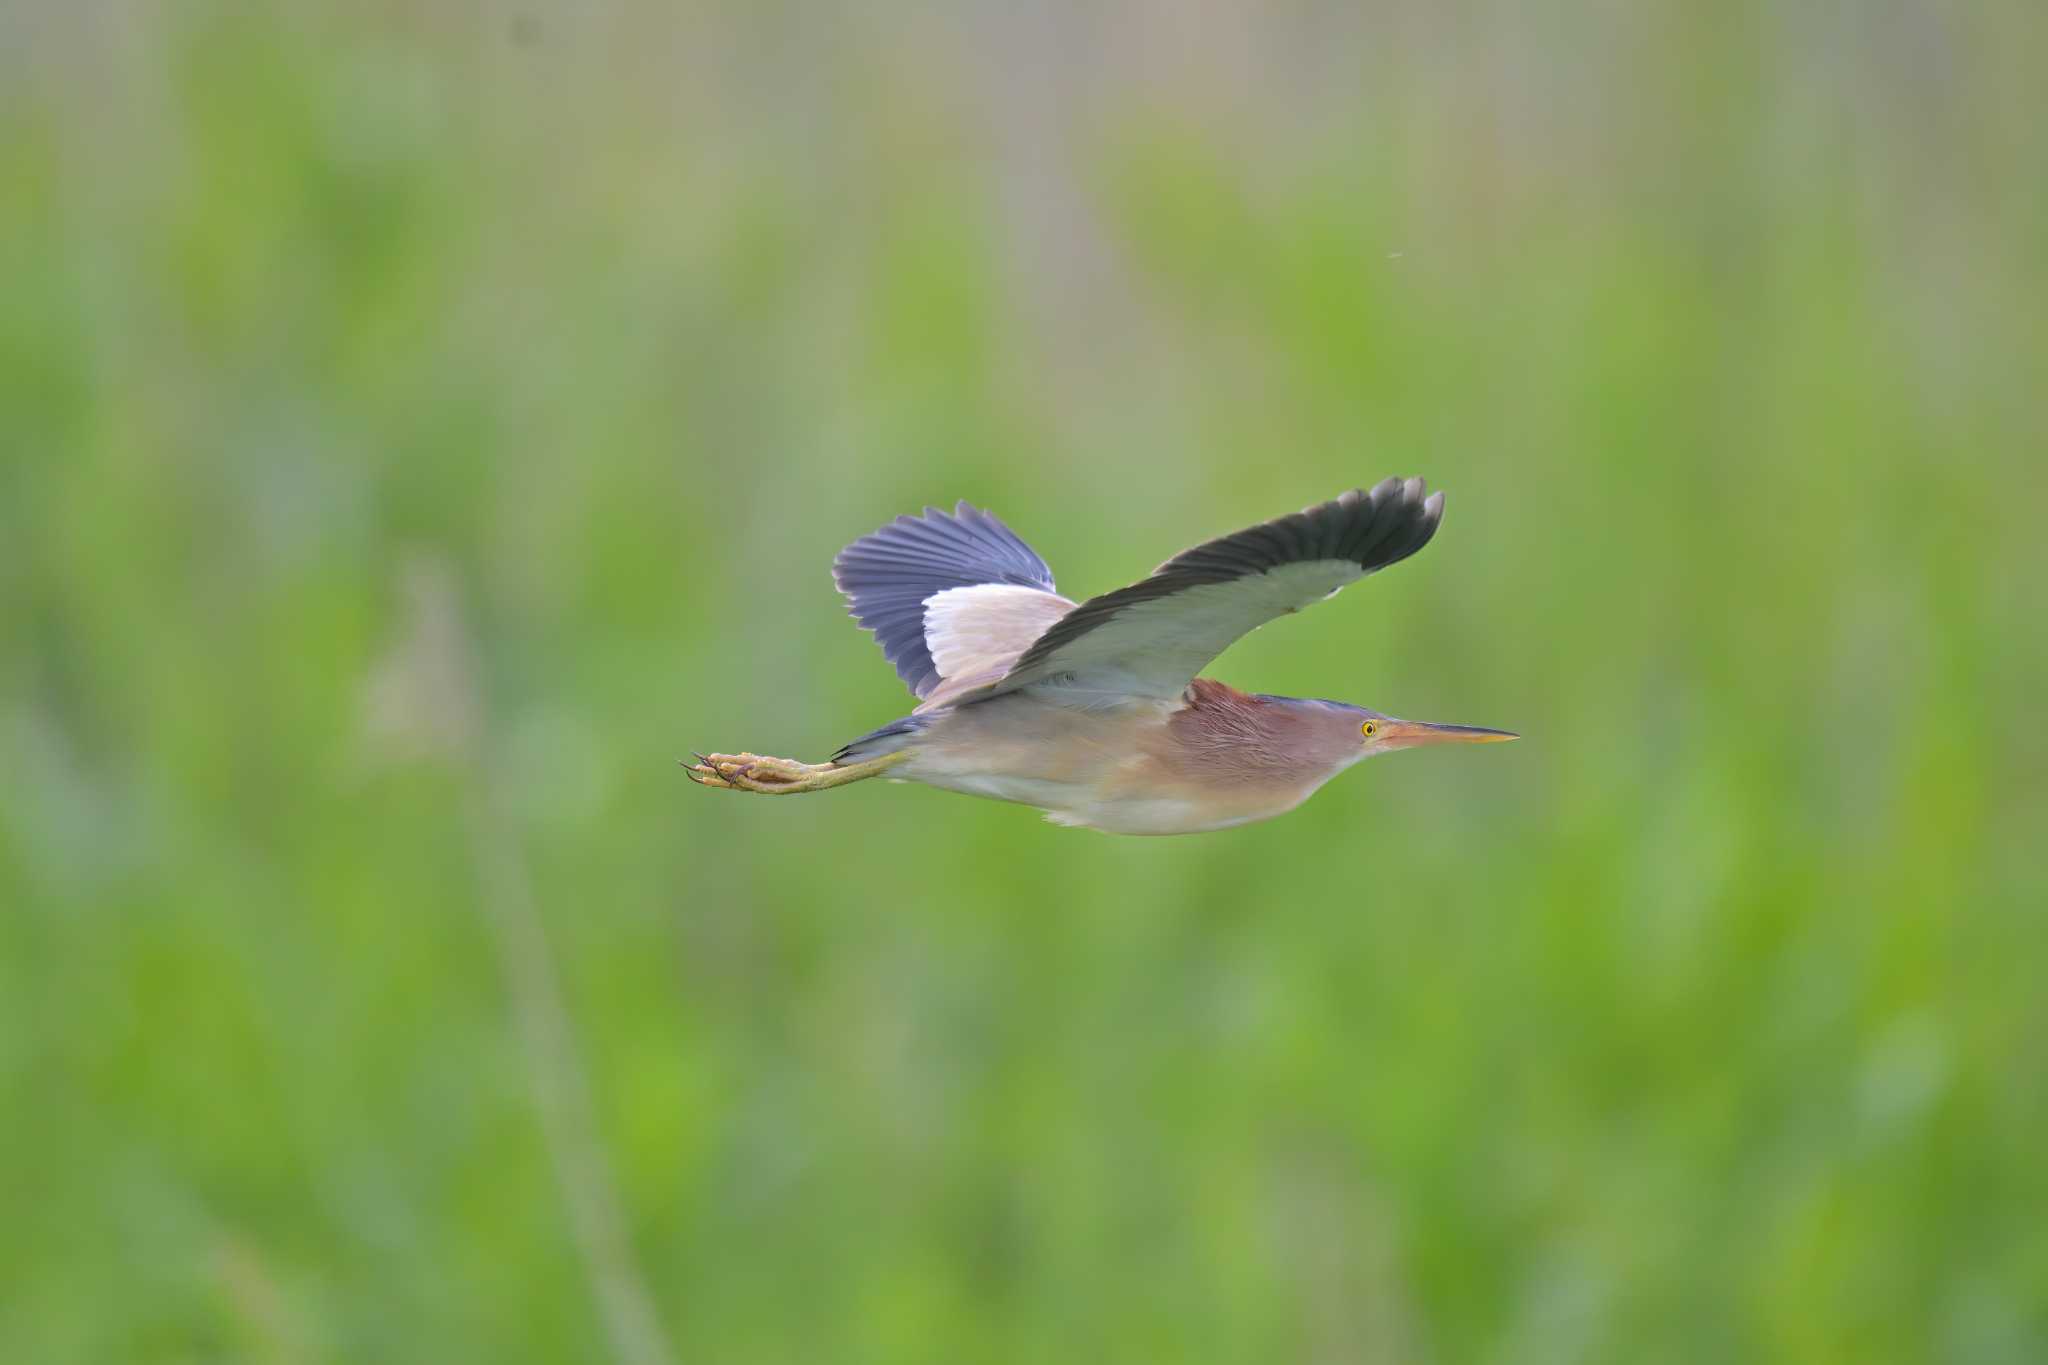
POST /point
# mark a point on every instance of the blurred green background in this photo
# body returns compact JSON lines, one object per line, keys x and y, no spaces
{"x":422,"y":424}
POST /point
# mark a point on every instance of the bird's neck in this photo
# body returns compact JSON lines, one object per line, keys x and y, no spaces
{"x":1238,"y":736}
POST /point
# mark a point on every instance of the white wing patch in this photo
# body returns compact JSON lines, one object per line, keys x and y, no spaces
{"x":1153,"y":648}
{"x":982,"y":629}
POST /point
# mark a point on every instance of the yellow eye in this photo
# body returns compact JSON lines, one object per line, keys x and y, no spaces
{"x":1369,"y":729}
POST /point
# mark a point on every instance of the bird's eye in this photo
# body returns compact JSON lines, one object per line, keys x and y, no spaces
{"x":1369,"y":729}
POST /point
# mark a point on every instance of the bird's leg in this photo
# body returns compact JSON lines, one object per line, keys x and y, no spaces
{"x":782,"y":776}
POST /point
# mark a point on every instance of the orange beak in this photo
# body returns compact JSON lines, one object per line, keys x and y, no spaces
{"x":1408,"y":734}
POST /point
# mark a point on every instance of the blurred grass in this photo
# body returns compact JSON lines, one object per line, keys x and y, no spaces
{"x":1706,"y":1023}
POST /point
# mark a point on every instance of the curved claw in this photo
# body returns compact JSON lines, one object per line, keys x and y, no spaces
{"x":703,"y":772}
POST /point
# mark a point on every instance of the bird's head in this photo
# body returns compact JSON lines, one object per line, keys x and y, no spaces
{"x":1374,"y":733}
{"x":1347,"y":733}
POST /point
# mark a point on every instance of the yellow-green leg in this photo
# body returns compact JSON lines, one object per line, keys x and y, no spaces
{"x":782,"y":776}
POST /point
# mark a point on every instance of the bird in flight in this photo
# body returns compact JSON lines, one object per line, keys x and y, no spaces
{"x":1093,"y":712}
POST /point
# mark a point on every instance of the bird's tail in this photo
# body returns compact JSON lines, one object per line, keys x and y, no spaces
{"x":897,"y":734}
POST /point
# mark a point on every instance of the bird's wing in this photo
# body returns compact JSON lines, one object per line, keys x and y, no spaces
{"x":1152,"y":638}
{"x":948,"y":594}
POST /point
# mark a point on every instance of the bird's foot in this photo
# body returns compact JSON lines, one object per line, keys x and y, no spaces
{"x":782,"y":776}
{"x":755,"y":773}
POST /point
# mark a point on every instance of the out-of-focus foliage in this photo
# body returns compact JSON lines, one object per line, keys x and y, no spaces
{"x":420,"y":425}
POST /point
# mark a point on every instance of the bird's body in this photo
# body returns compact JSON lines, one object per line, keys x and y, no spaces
{"x":1092,"y":712}
{"x":1142,"y":766}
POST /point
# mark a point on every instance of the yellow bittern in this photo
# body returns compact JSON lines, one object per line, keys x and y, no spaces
{"x":1093,"y":713}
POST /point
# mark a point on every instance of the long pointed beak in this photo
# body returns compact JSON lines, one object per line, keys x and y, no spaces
{"x":1407,"y":734}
